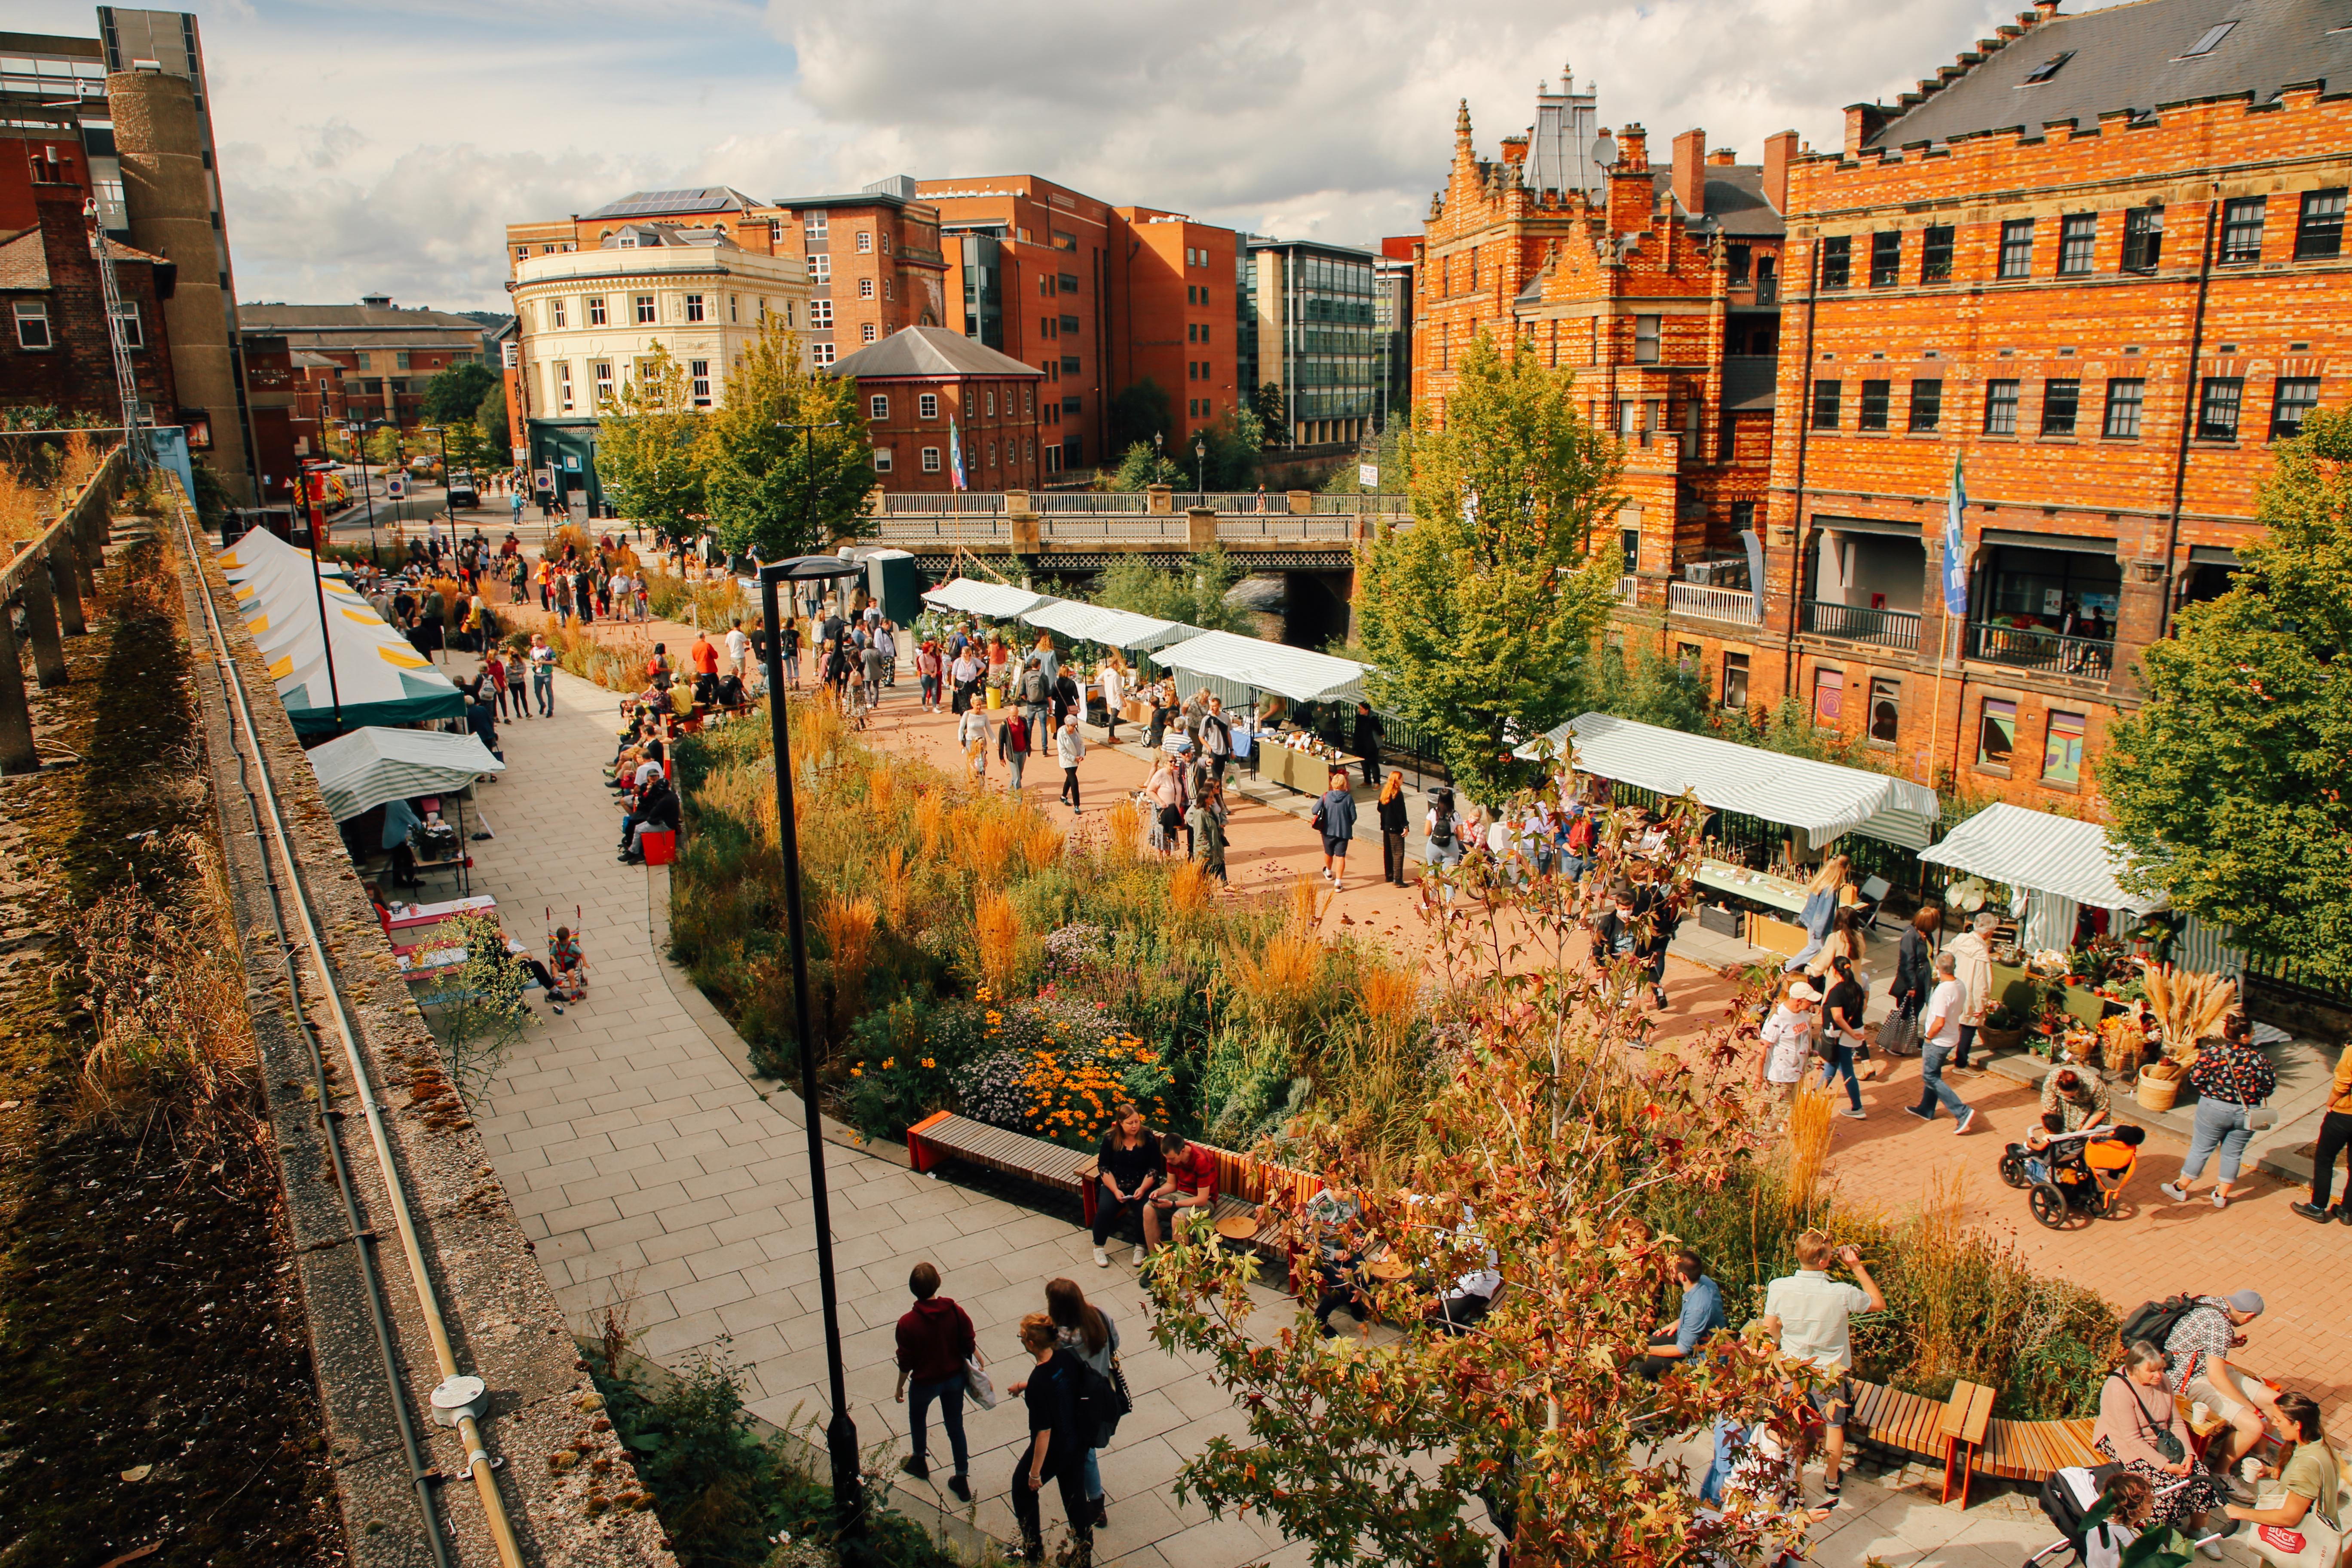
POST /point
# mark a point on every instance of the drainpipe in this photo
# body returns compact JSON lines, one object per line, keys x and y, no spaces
{"x":1804,"y":441}
{"x":2188,"y":412}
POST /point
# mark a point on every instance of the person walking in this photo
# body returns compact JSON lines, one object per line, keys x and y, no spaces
{"x":1788,"y":1039}
{"x":1037,"y":693}
{"x":1013,"y":748}
{"x":2335,"y":1137}
{"x":1216,"y":737}
{"x":963,"y":677}
{"x":1822,"y":896}
{"x":927,"y":670}
{"x":875,"y":666}
{"x":1054,"y":1450}
{"x":1441,"y":829}
{"x":738,"y":647}
{"x":1939,"y":1037}
{"x":792,"y":634}
{"x":1842,"y":1037}
{"x":1114,"y":690}
{"x":935,"y":1341}
{"x":1972,"y":952}
{"x":1394,"y":824}
{"x":1367,"y":739}
{"x":1207,"y":821}
{"x":1914,"y":972}
{"x":1811,"y":1313}
{"x":972,"y":735}
{"x":1085,"y":1331}
{"x":515,"y":675}
{"x":1166,"y":788}
{"x":2232,"y":1079}
{"x":542,"y":675}
{"x":1335,"y":819}
{"x":1068,"y":747}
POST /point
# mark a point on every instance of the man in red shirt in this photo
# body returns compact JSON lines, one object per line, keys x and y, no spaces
{"x":1191,"y":1187}
{"x":935,"y":1341}
{"x":705,"y":657}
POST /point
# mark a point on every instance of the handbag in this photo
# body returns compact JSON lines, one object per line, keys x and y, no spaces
{"x":2163,"y":1439}
{"x":976,"y":1384}
{"x":1899,"y":1035}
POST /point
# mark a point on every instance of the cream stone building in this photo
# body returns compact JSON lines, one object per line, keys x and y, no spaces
{"x":589,"y":319}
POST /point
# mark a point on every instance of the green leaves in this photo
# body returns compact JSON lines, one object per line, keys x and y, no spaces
{"x":647,"y":448}
{"x":2228,"y":785}
{"x":1479,"y":617}
{"x":786,"y":492}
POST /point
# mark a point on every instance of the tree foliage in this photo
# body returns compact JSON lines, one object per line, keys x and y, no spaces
{"x":1273,"y":416}
{"x":648,"y":451}
{"x":1194,"y":594}
{"x":455,"y":392}
{"x":1234,"y":442}
{"x":1138,"y":412}
{"x":1480,"y":617}
{"x":779,"y":491}
{"x":2227,"y":785}
{"x":1543,"y":1140}
{"x":1139,"y":467}
{"x":490,"y":417}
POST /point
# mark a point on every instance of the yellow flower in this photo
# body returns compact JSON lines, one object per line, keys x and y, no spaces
{"x":857,"y":1072}
{"x":928,"y":1063}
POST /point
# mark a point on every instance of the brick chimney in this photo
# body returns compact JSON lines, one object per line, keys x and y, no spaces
{"x":1777,"y":150}
{"x":1633,"y":150}
{"x":1690,"y":183}
{"x":1722,"y":158}
{"x":1514,"y":149}
{"x":1863,"y":121}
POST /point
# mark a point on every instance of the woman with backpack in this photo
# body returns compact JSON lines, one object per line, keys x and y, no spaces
{"x":1442,"y":828}
{"x":1052,"y":1452}
{"x":1085,"y":1331}
{"x":1335,"y":819}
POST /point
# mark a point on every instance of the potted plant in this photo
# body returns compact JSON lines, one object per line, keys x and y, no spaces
{"x":2004,"y":1029}
{"x":2186,"y":1008}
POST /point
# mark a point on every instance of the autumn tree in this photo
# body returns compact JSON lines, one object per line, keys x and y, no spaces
{"x":1542,"y":1144}
{"x":773,"y":486}
{"x":1478,"y":618}
{"x":2228,"y":785}
{"x":649,"y":450}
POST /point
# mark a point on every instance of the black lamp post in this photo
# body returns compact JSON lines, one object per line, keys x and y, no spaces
{"x":358,"y":433}
{"x":319,"y":587}
{"x":1200,"y":457}
{"x":441,"y":438}
{"x":841,"y":1432}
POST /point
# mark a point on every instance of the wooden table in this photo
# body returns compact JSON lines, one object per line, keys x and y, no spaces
{"x":1300,"y":770}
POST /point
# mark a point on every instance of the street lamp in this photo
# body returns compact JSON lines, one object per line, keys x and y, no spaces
{"x":358,"y":433}
{"x":1200,"y":456}
{"x":841,"y":1432}
{"x":318,"y":586}
{"x":441,"y":438}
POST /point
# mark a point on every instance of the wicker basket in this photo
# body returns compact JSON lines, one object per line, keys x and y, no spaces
{"x":2156,"y":1093}
{"x":1994,"y":1039}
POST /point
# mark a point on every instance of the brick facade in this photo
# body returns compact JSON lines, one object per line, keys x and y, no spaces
{"x":1173,"y":282}
{"x":914,"y":393}
{"x":1994,"y":297}
{"x":49,"y":267}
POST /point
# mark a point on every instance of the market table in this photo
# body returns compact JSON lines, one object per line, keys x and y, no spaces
{"x":1301,"y":770}
{"x":1760,"y":888}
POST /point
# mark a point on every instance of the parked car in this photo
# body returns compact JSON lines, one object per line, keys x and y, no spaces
{"x":463,"y":491}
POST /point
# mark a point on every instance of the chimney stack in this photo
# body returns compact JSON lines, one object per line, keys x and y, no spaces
{"x":1633,"y":151}
{"x":1690,"y":183}
{"x":1723,"y":158}
{"x":1779,"y":150}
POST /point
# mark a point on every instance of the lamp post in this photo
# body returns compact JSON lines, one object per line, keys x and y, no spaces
{"x":1200,"y":457}
{"x":441,"y":438}
{"x":841,"y":1432}
{"x":1158,"y":438}
{"x":319,"y":587}
{"x":358,"y":433}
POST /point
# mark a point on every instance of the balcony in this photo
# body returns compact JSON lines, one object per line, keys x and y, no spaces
{"x":1629,"y":589}
{"x":1737,"y":604}
{"x":2050,"y":653}
{"x":1856,"y":623}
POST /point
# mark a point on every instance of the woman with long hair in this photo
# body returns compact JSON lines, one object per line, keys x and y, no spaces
{"x":1087,"y":1332}
{"x":1823,"y":895}
{"x":1394,"y":824}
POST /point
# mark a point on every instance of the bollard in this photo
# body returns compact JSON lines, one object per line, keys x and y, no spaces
{"x":16,"y":754}
{"x":41,"y":622}
{"x":65,"y":583}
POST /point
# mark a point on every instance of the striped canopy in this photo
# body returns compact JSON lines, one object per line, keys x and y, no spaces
{"x":379,"y":676}
{"x":371,"y":766}
{"x":1112,"y":629}
{"x":1822,"y":798}
{"x":994,"y":600}
{"x":1297,"y":673}
{"x":2042,"y":853}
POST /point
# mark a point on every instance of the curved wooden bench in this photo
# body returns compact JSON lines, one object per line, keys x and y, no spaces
{"x":1961,"y":1432}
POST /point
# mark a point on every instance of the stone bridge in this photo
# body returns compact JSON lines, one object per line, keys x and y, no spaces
{"x":1079,"y":532}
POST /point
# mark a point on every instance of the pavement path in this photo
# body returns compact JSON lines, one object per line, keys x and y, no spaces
{"x":657,"y":1178}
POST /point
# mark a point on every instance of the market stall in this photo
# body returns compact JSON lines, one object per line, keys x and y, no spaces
{"x":1820,"y":801}
{"x":1082,"y":622}
{"x":997,"y":600}
{"x":371,"y":766}
{"x":1239,"y":669}
{"x":377,"y":676}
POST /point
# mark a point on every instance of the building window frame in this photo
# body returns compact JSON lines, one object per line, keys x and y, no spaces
{"x":1827,"y":394}
{"x":1884,"y":711}
{"x":930,"y":460}
{"x":2078,"y":243}
{"x":2002,"y":397}
{"x":1735,"y":681}
{"x":599,"y":374}
{"x":1995,"y":735}
{"x":2126,"y":408}
{"x":2062,"y":405}
{"x":643,"y":312}
{"x":1646,"y":335}
{"x":1877,"y":399}
{"x":1936,"y":247}
{"x":1829,"y":697}
{"x":596,"y":311}
{"x":128,"y":328}
{"x":1836,"y":261}
{"x":866,"y":287}
{"x":2319,"y":225}
{"x":1886,"y":258}
{"x":927,"y":405}
{"x":698,"y":380}
{"x":878,"y":408}
{"x":2143,"y":238}
{"x":2221,"y":407}
{"x":821,"y":354}
{"x":2063,"y":731}
{"x":864,"y":242}
{"x":555,"y":321}
{"x":563,"y":386}
{"x":2016,"y":257}
{"x":881,"y":460}
{"x":2243,"y":221}
{"x":694,"y":308}
{"x":1926,"y":404}
{"x":2292,"y":400}
{"x":867,"y":332}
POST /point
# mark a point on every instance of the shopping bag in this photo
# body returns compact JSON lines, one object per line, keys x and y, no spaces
{"x":1899,"y":1035}
{"x":976,"y":1384}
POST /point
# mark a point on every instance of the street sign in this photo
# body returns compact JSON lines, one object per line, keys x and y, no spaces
{"x":523,"y":454}
{"x":1369,"y":475}
{"x":395,"y":487}
{"x":544,"y":480}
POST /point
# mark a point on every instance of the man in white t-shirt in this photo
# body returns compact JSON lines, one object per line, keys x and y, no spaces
{"x":1809,"y":1313}
{"x":739,"y":650}
{"x":1939,"y":1029}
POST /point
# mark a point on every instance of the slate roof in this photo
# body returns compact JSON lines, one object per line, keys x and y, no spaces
{"x":1734,"y":195}
{"x":24,"y":261}
{"x":931,"y":351}
{"x":2131,"y":57}
{"x":657,"y":204}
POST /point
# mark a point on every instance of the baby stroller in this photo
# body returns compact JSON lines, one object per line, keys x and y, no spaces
{"x":2066,"y":1498}
{"x":2075,"y":1176}
{"x":566,"y":960}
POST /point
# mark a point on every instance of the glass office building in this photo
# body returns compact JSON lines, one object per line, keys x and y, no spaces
{"x":1304,"y":324}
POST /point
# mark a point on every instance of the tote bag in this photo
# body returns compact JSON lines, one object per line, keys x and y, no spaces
{"x":976,"y":1384}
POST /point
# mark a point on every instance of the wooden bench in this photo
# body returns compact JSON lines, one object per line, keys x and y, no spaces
{"x":1245,"y":1184}
{"x":1961,"y":1432}
{"x":944,"y":1135}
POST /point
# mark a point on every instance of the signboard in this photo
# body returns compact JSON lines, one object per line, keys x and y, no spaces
{"x":523,"y":454}
{"x":1369,"y":475}
{"x":571,"y":462}
{"x":395,"y":487}
{"x":544,"y":480}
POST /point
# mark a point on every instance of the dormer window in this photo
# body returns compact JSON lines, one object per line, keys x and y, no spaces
{"x":2209,"y":42}
{"x":2047,"y":69}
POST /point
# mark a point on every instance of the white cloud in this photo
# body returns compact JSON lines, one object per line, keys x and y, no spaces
{"x":385,"y":146}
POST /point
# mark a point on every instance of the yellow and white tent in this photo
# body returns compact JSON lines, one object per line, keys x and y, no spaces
{"x":379,"y":676}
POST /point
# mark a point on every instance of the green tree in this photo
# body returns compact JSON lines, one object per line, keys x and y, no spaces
{"x":455,"y":393}
{"x":783,"y":491}
{"x":1644,"y":686}
{"x":649,"y":450}
{"x":1194,"y":594}
{"x":1272,"y":418}
{"x":1140,"y":412}
{"x":1479,"y":618}
{"x":1390,"y":452}
{"x":2227,"y":785}
{"x":383,"y":447}
{"x":1142,"y":467}
{"x":1236,"y":443}
{"x":469,"y":452}
{"x":490,"y":417}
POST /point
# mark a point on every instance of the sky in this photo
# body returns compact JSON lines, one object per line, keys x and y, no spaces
{"x":383,"y":148}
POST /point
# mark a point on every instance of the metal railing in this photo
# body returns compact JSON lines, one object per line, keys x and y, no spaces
{"x":969,"y":528}
{"x":895,"y":503}
{"x":2029,"y":648}
{"x":1094,"y":501}
{"x":1629,"y":589}
{"x":1081,"y":526}
{"x":1858,"y":623}
{"x":1712,"y":604}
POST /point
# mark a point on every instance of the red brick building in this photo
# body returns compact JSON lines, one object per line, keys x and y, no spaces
{"x":1173,"y":287}
{"x":54,"y":350}
{"x":2098,"y":263}
{"x":926,"y":388}
{"x":382,"y":354}
{"x":1658,"y":284}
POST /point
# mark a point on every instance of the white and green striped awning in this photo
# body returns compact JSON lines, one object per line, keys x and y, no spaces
{"x":2042,"y":853}
{"x":1113,"y":628}
{"x":997,"y":600}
